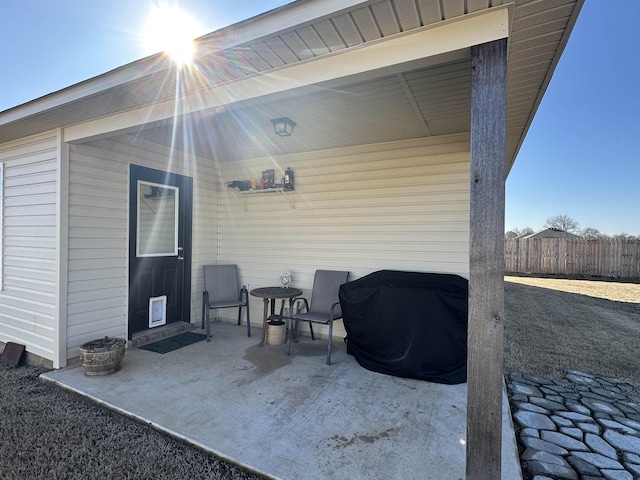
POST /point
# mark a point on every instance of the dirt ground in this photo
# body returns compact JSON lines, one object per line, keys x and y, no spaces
{"x":555,"y":325}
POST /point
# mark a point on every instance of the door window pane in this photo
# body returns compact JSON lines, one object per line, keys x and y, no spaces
{"x":157,"y":220}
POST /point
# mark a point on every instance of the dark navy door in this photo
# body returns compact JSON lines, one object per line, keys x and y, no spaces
{"x":160,"y":205}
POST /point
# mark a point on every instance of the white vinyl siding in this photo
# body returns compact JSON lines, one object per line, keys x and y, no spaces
{"x":97,"y":289}
{"x":401,"y":205}
{"x":1,"y":217}
{"x":29,"y":257}
{"x":98,"y":231}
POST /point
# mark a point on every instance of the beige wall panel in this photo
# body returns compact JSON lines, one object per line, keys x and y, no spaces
{"x":98,"y":231}
{"x":96,"y":322}
{"x":23,"y":308}
{"x":27,"y":300}
{"x":96,"y":280}
{"x":400,"y":205}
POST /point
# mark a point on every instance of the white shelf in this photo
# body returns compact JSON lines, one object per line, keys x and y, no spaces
{"x":265,"y":190}
{"x":262,"y":192}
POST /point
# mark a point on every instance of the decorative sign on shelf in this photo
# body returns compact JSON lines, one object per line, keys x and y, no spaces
{"x":269,"y":177}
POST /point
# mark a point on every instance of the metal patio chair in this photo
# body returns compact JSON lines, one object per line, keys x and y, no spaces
{"x":324,"y":306}
{"x":221,"y":291}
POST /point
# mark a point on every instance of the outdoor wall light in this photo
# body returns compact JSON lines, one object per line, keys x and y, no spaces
{"x":283,"y":126}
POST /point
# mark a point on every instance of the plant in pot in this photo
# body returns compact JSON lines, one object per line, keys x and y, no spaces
{"x":102,"y":356}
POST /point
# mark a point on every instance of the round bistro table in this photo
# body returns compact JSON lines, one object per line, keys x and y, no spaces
{"x":270,"y":295}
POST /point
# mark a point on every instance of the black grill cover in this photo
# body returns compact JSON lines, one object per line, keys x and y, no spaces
{"x":408,"y":324}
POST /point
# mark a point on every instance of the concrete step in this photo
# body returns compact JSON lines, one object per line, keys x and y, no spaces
{"x":158,"y":333}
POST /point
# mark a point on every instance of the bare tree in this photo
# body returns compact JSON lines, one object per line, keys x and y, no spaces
{"x":563,"y":222}
{"x":624,"y":236}
{"x":591,"y":233}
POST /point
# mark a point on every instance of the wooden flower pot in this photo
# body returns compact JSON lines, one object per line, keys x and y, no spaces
{"x":102,"y":356}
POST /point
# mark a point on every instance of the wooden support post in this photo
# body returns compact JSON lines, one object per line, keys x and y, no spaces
{"x":486,"y":274}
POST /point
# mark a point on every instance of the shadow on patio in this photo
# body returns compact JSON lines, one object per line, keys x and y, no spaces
{"x":292,"y":417}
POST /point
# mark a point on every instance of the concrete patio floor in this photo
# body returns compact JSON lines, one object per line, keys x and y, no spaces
{"x":293,"y":418}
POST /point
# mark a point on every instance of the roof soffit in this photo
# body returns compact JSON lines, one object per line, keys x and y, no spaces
{"x":416,"y":48}
{"x":245,"y":31}
{"x":269,"y":45}
{"x":280,"y":37}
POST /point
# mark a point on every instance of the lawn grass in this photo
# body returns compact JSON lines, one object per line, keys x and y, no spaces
{"x":554,"y":325}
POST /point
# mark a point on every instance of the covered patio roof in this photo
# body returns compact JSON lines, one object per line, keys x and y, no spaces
{"x":349,"y":72}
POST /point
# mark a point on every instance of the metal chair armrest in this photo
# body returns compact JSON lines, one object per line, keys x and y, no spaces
{"x":332,"y":312}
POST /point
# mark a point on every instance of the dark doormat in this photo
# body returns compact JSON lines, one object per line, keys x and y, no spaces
{"x":173,"y":343}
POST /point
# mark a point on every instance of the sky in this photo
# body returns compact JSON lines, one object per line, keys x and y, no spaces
{"x":581,"y":157}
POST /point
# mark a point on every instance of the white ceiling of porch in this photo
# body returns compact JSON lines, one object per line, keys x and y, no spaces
{"x":430,"y":101}
{"x":425,"y":101}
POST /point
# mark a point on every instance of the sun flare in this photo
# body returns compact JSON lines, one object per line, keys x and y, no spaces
{"x":169,"y":29}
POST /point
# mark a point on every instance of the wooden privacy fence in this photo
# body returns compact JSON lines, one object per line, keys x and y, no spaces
{"x":573,"y":256}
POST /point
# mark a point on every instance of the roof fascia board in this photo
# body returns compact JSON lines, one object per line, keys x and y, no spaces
{"x":87,"y":88}
{"x":382,"y":55}
{"x":269,"y":23}
{"x":281,"y":19}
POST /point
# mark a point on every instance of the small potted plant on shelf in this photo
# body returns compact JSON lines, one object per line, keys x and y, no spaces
{"x":102,"y":356}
